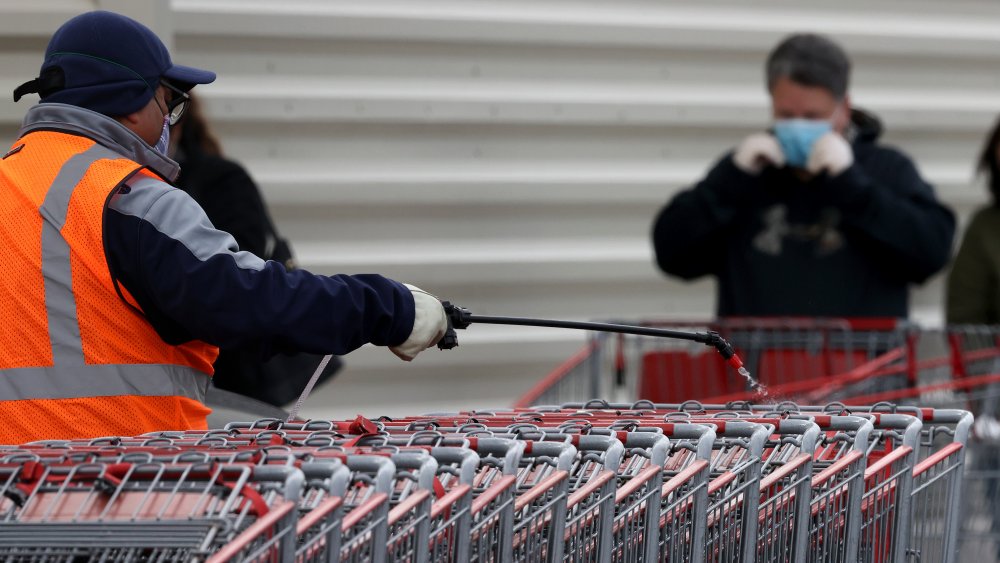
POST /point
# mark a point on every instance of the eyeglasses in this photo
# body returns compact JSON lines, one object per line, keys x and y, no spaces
{"x":177,"y":104}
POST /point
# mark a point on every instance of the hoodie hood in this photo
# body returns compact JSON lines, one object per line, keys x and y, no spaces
{"x":866,"y":128}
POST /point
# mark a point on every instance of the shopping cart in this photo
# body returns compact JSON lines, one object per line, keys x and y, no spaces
{"x":938,"y":484}
{"x":146,"y":511}
{"x":870,"y":354}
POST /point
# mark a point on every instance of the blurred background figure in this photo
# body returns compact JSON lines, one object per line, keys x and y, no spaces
{"x":973,"y":295}
{"x":813,"y":216}
{"x":973,"y":298}
{"x":234,"y":204}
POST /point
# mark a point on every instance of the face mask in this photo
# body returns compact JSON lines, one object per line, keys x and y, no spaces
{"x":163,"y":145}
{"x":797,"y":136}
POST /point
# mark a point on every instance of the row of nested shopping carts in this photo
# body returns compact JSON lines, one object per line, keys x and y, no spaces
{"x":578,"y":482}
{"x":814,"y":361}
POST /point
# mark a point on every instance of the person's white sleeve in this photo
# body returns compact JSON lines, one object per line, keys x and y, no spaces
{"x":757,"y":152}
{"x":830,"y":153}
{"x":429,"y":324}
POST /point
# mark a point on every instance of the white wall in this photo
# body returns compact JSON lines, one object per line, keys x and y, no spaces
{"x":510,"y":156}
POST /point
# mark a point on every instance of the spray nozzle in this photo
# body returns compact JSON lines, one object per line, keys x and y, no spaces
{"x":714,"y":339}
{"x":727,"y":352}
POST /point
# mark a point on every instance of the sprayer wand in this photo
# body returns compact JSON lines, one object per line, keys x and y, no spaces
{"x":461,"y":318}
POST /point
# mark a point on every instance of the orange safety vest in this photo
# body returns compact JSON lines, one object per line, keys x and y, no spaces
{"x":76,"y":360}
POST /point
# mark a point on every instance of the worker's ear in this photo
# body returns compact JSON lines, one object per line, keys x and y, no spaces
{"x":131,"y":119}
{"x":139,"y":118}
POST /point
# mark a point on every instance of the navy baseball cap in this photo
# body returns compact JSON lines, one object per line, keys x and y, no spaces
{"x":108,"y":63}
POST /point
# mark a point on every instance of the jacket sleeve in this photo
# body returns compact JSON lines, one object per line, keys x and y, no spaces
{"x":890,"y":206}
{"x":971,"y":286}
{"x":690,"y":233}
{"x":193,"y":282}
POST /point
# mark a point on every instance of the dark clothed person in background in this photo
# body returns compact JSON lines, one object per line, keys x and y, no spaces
{"x":812,"y":217}
{"x":973,"y":295}
{"x":233,"y":203}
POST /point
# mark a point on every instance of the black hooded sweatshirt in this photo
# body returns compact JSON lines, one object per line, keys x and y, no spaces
{"x":842,"y":246}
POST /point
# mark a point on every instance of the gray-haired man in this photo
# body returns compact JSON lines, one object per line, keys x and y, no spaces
{"x":810,"y":217}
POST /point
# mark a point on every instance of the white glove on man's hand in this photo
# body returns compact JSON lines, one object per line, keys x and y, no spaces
{"x":429,"y":324}
{"x":831,"y":153}
{"x":757,"y":152}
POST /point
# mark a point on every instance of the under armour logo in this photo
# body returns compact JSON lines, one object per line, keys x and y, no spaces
{"x":771,"y":239}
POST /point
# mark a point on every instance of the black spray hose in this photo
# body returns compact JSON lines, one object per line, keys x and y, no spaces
{"x":461,"y":318}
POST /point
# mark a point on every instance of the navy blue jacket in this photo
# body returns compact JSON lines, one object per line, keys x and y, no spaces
{"x":193,"y":282}
{"x":846,"y":246}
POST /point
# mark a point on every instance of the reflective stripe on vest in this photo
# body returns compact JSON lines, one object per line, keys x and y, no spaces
{"x":149,"y":380}
{"x":60,"y":304}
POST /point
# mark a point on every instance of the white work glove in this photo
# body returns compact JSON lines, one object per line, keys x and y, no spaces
{"x":757,"y":152}
{"x":831,"y":153}
{"x":429,"y":324}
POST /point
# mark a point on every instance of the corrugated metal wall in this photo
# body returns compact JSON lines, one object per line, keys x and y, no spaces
{"x":510,"y":156}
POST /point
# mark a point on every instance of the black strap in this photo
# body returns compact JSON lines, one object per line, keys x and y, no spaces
{"x":51,"y":80}
{"x":29,"y":87}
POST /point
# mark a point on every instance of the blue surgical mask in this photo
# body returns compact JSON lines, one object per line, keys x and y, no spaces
{"x":797,"y":137}
{"x":163,"y":145}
